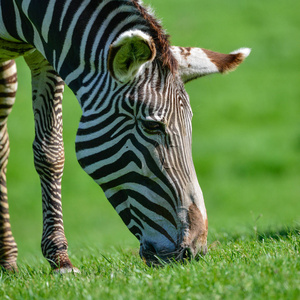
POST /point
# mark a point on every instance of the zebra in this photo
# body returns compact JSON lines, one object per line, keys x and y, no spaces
{"x":134,"y":135}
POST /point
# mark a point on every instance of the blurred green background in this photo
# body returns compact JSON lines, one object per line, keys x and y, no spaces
{"x":246,"y":132}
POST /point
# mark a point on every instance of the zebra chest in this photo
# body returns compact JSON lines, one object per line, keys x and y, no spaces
{"x":10,"y":50}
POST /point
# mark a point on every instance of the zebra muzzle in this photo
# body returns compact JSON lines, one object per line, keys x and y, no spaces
{"x":152,"y":257}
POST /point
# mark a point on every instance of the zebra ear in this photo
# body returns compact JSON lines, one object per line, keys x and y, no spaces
{"x":131,"y":50}
{"x":198,"y":62}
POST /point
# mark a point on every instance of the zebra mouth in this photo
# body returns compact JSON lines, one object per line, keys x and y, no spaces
{"x":153,"y":259}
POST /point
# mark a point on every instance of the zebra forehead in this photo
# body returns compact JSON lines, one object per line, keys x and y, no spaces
{"x":160,"y":89}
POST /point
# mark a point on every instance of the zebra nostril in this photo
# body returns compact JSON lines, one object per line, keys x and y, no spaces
{"x":187,"y":254}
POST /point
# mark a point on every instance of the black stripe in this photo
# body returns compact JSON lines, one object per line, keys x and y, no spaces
{"x":9,"y":80}
{"x":152,"y":224}
{"x":133,"y":177}
{"x":6,"y":65}
{"x":121,"y":163}
{"x":9,"y":17}
{"x":148,"y":156}
{"x":122,"y":196}
{"x":156,"y":208}
{"x":102,"y":139}
{"x":126,"y":217}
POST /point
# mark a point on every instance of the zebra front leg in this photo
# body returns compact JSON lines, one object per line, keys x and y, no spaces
{"x":48,"y":148}
{"x":8,"y":88}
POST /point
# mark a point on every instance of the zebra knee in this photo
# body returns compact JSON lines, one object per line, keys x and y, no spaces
{"x":49,"y":158}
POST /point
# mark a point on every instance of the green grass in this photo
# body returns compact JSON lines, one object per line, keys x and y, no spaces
{"x":243,"y":267}
{"x":246,"y":148}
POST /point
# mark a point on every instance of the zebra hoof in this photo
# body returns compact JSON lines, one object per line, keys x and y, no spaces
{"x":66,"y":270}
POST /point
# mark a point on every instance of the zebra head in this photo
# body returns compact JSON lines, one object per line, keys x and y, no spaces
{"x":136,"y":143}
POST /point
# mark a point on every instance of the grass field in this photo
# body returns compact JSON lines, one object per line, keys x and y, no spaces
{"x":246,"y":148}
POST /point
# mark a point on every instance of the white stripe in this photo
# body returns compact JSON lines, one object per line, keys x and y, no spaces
{"x":48,"y":18}
{"x":37,"y":42}
{"x":143,"y":190}
{"x":25,"y":6}
{"x":156,"y":218}
{"x":18,"y":22}
{"x":66,"y":6}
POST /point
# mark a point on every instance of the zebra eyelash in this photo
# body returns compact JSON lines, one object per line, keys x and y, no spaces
{"x":153,"y":127}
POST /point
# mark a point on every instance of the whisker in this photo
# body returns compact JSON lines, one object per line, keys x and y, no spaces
{"x":165,"y":257}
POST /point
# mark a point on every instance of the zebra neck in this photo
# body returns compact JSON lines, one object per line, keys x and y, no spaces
{"x":74,"y":35}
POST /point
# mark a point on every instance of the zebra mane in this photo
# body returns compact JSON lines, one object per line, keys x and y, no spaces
{"x":160,"y":38}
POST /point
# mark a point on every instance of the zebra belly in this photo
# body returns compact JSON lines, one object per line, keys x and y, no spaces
{"x":10,"y":50}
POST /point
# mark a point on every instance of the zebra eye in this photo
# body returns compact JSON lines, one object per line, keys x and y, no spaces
{"x":153,"y":127}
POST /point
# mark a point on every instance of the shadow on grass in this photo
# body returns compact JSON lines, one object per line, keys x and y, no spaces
{"x":253,"y":234}
{"x":278,"y":234}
